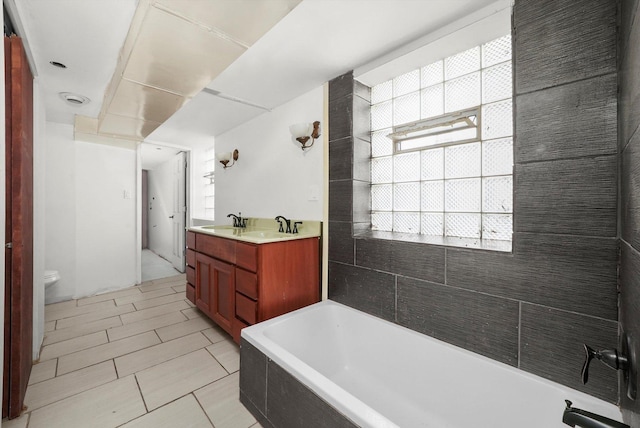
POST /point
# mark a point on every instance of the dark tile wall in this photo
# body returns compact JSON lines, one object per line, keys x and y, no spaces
{"x":276,"y":398}
{"x":629,"y":146}
{"x":535,"y":307}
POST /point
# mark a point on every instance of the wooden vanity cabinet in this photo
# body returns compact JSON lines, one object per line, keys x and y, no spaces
{"x":238,"y":284}
{"x":191,"y":267}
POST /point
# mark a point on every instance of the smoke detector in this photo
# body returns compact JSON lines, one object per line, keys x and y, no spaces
{"x":74,"y":99}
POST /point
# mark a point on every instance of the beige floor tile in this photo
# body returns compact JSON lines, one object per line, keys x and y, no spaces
{"x":160,"y":285}
{"x":227,"y":353}
{"x":154,"y":355}
{"x":180,"y":288}
{"x":215,"y":334}
{"x":80,"y":330}
{"x":174,"y":278}
{"x":192,"y":313}
{"x":134,"y":328}
{"x":52,"y":390}
{"x":95,"y":315}
{"x":165,"y":382}
{"x":20,"y":422}
{"x":73,"y":345}
{"x":49,"y":326}
{"x":153,"y":312}
{"x":81,"y":359}
{"x":42,"y":371}
{"x":187,"y":327}
{"x":144,"y":304}
{"x":256,"y":425}
{"x":183,"y":413}
{"x":220,"y":401}
{"x":129,"y":291}
{"x":61,"y":305}
{"x":106,"y":406}
{"x":143,"y":296}
{"x":61,"y":312}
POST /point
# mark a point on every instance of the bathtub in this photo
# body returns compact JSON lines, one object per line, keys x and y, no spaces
{"x":328,"y":365}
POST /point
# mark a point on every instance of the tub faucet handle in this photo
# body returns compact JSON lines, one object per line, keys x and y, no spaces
{"x":609,"y":357}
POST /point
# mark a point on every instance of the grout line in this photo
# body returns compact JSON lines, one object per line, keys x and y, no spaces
{"x":142,"y":396}
{"x":519,"y":333}
{"x":200,"y":404}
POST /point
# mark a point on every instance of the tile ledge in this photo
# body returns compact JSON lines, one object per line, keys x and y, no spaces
{"x":444,"y":241}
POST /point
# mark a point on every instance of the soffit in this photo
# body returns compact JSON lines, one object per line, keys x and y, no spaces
{"x":174,"y":48}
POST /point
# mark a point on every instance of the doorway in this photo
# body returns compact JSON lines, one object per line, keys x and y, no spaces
{"x":164,"y":211}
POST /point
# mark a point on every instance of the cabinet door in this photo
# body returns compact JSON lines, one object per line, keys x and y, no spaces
{"x":223,"y":296}
{"x":215,"y":292}
{"x":203,"y":283}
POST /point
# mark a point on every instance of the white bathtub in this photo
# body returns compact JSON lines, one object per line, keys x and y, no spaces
{"x":379,"y":374}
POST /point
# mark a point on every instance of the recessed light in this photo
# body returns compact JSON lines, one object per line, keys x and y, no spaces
{"x":74,"y":99}
{"x":57,"y":64}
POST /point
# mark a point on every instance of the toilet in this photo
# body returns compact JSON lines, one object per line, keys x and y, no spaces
{"x":50,"y":278}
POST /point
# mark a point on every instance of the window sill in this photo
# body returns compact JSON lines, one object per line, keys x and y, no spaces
{"x":445,"y":241}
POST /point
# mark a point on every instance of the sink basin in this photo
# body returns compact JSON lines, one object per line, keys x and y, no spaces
{"x":265,"y":234}
{"x":212,"y":227}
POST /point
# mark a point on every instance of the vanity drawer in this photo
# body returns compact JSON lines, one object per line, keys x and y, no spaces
{"x":247,"y":256}
{"x":246,"y":309}
{"x":191,"y":275}
{"x":191,"y":240}
{"x":219,"y":248}
{"x":247,"y":283}
{"x":191,"y":258}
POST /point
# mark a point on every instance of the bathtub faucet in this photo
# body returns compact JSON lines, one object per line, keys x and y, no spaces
{"x":581,"y":418}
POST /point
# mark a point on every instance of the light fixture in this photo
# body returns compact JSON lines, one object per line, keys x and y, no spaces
{"x":226,"y":157}
{"x":302,"y":132}
{"x":74,"y":99}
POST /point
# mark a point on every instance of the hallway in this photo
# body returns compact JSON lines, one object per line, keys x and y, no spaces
{"x":139,"y":357}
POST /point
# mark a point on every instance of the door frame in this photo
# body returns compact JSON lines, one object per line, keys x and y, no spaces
{"x":188,"y":153}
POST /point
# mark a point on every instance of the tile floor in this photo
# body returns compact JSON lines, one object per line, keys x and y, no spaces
{"x":139,"y":357}
{"x":155,"y":267}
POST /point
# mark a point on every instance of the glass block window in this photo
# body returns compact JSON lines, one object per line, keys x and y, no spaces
{"x":460,"y":185}
{"x":209,"y":188}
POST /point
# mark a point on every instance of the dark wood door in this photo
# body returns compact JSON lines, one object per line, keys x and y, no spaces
{"x":204,"y":279}
{"x":19,"y":227}
{"x":215,"y":290}
{"x":223,"y":303}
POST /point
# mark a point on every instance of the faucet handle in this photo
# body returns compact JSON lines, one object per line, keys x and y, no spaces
{"x":590,"y":354}
{"x":295,"y":226}
{"x":609,"y":357}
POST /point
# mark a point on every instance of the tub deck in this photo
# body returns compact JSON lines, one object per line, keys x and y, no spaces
{"x":374,"y":373}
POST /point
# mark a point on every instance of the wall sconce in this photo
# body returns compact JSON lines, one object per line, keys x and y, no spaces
{"x":226,"y":157}
{"x":302,"y":132}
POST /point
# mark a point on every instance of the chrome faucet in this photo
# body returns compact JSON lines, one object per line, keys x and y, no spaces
{"x":238,"y":221}
{"x":581,"y":418}
{"x":280,"y":219}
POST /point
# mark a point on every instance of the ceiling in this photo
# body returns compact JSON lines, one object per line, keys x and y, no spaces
{"x":313,"y":43}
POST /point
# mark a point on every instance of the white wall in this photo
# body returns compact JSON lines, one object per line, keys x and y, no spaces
{"x":39,"y":215}
{"x":105,"y":218}
{"x":90,"y":226}
{"x":60,"y":206}
{"x":161,"y":203}
{"x":273,"y":175}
